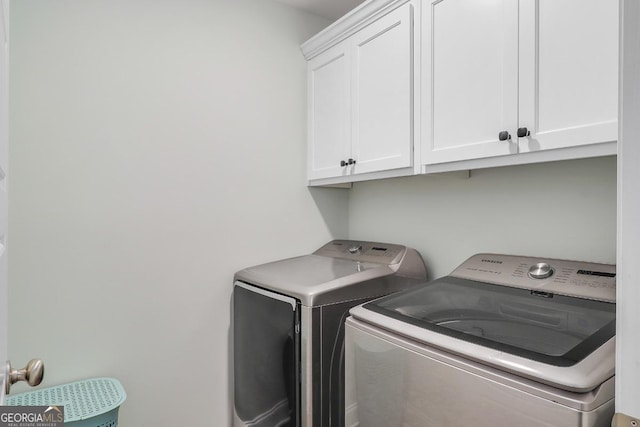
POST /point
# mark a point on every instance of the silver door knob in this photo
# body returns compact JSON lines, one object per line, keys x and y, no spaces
{"x":32,"y":374}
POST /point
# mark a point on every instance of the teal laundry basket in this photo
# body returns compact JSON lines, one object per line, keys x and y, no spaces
{"x":88,"y":403}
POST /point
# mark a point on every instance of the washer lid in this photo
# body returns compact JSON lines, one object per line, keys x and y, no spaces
{"x":553,"y":329}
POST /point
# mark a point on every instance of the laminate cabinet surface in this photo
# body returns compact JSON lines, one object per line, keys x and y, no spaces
{"x":511,"y":78}
{"x":361,"y":101}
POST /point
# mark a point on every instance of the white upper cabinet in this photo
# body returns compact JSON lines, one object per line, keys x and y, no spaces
{"x":361,"y":97}
{"x":568,"y":73}
{"x":490,"y":69}
{"x":476,"y":83}
{"x":383,"y":94}
{"x":329,"y":112}
{"x":470,"y":82}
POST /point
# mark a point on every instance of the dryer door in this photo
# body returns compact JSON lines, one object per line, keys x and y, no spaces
{"x":266,"y":344}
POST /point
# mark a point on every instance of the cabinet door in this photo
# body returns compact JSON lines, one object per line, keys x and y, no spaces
{"x":469,"y":78}
{"x":329,"y":113}
{"x":383,"y":93}
{"x":568,"y":72}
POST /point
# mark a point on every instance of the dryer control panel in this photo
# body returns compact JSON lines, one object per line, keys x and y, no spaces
{"x":354,"y":250}
{"x":543,"y":276}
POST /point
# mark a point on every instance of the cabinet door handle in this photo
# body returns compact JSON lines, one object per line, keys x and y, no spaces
{"x":351,"y":162}
{"x":504,"y":136}
{"x":522,"y":132}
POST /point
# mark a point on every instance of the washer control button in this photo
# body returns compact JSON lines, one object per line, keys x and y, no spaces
{"x":541,"y":270}
{"x":355,"y":249}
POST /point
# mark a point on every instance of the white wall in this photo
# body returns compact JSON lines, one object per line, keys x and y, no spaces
{"x":157,"y":146}
{"x":562,"y":209}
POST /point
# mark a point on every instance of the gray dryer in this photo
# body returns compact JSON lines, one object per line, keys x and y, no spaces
{"x":288,"y":328}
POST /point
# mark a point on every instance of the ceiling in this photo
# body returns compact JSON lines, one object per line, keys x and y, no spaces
{"x":330,"y":9}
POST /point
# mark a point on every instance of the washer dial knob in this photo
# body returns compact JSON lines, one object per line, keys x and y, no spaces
{"x":541,"y":270}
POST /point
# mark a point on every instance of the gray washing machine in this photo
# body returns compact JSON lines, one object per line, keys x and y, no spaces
{"x":502,"y":341}
{"x":288,"y":328}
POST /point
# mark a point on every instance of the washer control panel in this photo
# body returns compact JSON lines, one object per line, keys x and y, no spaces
{"x":544,"y":276}
{"x":381,"y":253}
